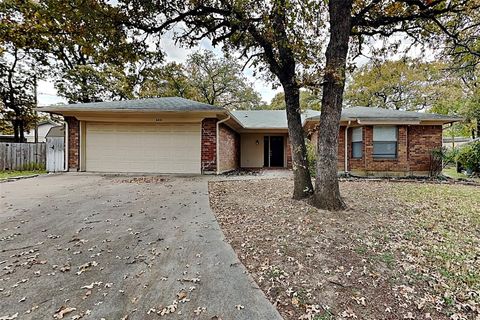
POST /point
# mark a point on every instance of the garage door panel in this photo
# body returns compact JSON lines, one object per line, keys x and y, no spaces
{"x":143,"y":148}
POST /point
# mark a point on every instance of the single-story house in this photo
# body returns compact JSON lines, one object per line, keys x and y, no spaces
{"x":176,"y":135}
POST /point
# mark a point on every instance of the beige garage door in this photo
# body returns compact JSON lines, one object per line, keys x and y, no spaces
{"x":139,"y":147}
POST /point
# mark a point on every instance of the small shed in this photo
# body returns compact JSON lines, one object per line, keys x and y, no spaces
{"x":55,"y":139}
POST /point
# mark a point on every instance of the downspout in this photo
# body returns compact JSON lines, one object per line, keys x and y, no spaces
{"x":453,"y":135}
{"x":218,"y":142}
{"x":407,"y":145}
{"x":346,"y":147}
{"x":66,"y":147}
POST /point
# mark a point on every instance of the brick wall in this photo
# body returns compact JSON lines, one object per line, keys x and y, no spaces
{"x":289,"y":154}
{"x":413,"y":146}
{"x":400,"y":164}
{"x":229,"y":149}
{"x":73,"y":143}
{"x":357,"y":163}
{"x":209,"y":145}
{"x":422,"y":140}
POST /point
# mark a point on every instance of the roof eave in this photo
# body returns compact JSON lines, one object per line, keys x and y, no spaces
{"x":376,"y":121}
{"x":445,"y":120}
{"x":410,"y":120}
{"x":70,"y":110}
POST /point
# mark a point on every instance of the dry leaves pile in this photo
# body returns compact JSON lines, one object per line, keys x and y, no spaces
{"x":402,"y":250}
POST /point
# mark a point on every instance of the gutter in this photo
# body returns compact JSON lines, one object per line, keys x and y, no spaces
{"x":346,"y":147}
{"x":387,"y":121}
{"x":218,"y":141}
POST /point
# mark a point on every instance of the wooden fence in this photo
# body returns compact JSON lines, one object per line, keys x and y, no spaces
{"x":22,"y":156}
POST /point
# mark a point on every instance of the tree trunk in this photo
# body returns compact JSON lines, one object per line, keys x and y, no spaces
{"x":302,"y":182}
{"x":21,"y":129}
{"x":16,"y":136}
{"x":327,"y":191}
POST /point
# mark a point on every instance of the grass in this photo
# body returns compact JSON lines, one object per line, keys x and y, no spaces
{"x":452,"y":216}
{"x":451,"y":172}
{"x":16,"y":173}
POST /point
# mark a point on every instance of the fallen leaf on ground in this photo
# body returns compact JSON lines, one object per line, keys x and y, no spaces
{"x":62,"y":311}
{"x":13,"y":316}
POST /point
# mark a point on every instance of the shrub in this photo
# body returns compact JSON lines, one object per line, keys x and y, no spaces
{"x":437,"y":161}
{"x":450,"y":156}
{"x":440,"y":158}
{"x":469,"y":157}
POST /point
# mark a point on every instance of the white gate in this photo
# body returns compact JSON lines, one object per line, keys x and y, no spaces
{"x":55,"y":154}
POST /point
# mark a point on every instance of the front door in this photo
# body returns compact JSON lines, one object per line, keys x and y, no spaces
{"x":273,"y":151}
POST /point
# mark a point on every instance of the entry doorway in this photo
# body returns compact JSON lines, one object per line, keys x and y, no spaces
{"x":273,"y":151}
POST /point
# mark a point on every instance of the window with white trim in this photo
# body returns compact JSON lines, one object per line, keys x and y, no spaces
{"x":385,"y":140}
{"x":357,"y":142}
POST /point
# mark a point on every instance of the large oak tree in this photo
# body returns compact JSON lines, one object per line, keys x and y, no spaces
{"x":281,"y":38}
{"x":355,"y":23}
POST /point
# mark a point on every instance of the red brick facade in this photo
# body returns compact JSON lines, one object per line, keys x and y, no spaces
{"x":420,"y":140}
{"x":73,"y":143}
{"x":414,"y":145}
{"x":289,"y":154}
{"x":229,"y":149}
{"x":209,"y":145}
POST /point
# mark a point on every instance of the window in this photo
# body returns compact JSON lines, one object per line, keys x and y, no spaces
{"x":385,"y":142}
{"x":357,"y":142}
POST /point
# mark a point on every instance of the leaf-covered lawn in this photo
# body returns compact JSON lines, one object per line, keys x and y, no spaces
{"x":14,"y":173}
{"x":401,"y":250}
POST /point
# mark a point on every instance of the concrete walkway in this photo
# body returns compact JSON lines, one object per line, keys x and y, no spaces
{"x":119,"y":248}
{"x":255,"y":175}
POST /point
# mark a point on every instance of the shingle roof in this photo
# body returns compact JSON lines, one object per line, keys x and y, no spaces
{"x":263,"y":119}
{"x":251,"y":119}
{"x":277,"y":119}
{"x":388,"y":114}
{"x":381,"y":113}
{"x":58,"y":131}
{"x":153,"y":104}
{"x":48,"y":121}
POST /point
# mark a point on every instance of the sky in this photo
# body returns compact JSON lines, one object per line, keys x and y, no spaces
{"x":47,"y":95}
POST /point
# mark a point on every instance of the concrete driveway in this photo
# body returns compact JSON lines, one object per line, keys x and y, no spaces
{"x":79,"y":246}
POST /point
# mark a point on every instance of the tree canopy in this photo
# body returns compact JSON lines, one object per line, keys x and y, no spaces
{"x":415,"y":85}
{"x":308,"y":100}
{"x":17,"y":82}
{"x":404,"y":84}
{"x":204,"y":77}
